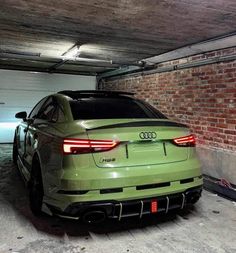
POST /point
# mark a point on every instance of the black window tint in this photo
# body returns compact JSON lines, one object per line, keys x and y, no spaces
{"x":58,"y":115}
{"x":47,"y":110}
{"x":61,"y":115}
{"x":55,"y":115}
{"x":37,"y":108}
{"x":111,"y":108}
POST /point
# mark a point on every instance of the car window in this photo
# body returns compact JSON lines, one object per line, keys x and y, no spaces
{"x":47,"y":110}
{"x":111,"y":108}
{"x":37,"y":108}
{"x":58,"y":115}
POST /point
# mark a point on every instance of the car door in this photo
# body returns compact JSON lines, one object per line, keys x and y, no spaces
{"x":24,"y":127}
{"x":36,"y":128}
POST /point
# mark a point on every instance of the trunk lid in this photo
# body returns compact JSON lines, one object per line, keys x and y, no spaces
{"x":142,"y":142}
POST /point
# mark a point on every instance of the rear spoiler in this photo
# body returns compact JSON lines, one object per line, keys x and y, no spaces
{"x":75,"y":94}
{"x":141,"y":124}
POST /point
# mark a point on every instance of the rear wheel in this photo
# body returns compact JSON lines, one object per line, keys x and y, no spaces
{"x":36,"y":189}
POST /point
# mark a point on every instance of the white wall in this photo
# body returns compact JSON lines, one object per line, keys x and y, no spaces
{"x":20,"y":91}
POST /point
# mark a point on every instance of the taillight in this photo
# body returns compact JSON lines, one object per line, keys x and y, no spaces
{"x":184,"y":141}
{"x":82,"y":146}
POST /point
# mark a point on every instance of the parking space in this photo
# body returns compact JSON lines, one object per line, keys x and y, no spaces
{"x":208,"y":227}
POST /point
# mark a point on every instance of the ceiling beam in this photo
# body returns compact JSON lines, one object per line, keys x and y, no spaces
{"x":225,"y":41}
{"x":57,"y":65}
{"x":44,"y":70}
{"x":199,"y":48}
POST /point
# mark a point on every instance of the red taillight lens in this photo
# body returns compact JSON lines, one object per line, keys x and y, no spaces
{"x":184,"y":141}
{"x":81,"y":146}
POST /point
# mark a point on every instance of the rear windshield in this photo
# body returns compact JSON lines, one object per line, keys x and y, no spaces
{"x":112,"y":108}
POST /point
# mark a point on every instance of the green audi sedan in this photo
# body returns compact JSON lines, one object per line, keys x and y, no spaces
{"x":93,"y":155}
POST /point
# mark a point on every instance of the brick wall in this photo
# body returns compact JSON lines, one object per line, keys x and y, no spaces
{"x":202,"y":97}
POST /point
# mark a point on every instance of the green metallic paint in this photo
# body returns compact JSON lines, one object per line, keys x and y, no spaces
{"x":146,"y":164}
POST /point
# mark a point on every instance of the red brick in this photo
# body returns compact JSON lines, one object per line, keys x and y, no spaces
{"x":231,"y":121}
{"x":203,"y":97}
{"x":230,"y":132}
{"x":222,"y":125}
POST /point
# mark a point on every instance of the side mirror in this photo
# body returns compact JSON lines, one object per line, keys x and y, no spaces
{"x":21,"y":115}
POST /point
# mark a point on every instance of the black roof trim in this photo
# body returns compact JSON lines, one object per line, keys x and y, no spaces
{"x":84,"y":93}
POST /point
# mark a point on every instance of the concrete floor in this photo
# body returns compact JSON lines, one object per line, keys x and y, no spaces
{"x":209,"y":227}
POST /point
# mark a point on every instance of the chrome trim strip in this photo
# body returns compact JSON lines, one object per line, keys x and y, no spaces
{"x":141,"y":211}
{"x":68,"y":217}
{"x":167,"y":204}
{"x":120,"y":214}
{"x":182,"y":206}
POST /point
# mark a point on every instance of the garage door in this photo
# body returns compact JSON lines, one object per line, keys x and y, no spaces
{"x":20,"y":91}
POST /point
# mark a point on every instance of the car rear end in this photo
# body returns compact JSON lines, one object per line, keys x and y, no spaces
{"x":118,"y":166}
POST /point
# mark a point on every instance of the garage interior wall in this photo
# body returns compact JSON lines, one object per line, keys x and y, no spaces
{"x":202,"y":97}
{"x":20,"y":91}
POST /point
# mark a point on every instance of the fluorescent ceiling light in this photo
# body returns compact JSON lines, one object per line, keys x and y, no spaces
{"x":72,"y":53}
{"x":82,"y":59}
{"x":22,"y":53}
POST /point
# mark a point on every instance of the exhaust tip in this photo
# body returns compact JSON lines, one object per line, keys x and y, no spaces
{"x":94,"y":217}
{"x":194,"y":198}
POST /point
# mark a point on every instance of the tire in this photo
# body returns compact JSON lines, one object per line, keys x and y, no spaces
{"x":14,"y":151}
{"x":36,"y":189}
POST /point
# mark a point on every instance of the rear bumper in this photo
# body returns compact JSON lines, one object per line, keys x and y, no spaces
{"x":138,"y":207}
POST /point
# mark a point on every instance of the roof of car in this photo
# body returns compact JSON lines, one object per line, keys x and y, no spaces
{"x":75,"y":94}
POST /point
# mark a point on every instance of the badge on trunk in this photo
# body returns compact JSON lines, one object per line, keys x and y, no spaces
{"x":107,"y":160}
{"x":147,"y":135}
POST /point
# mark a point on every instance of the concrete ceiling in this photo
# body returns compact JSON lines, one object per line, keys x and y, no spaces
{"x":35,"y":33}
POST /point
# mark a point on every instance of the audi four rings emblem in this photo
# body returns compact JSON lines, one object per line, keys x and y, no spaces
{"x":147,"y":135}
